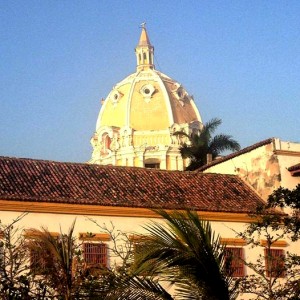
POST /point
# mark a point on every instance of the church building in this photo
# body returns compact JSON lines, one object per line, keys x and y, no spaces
{"x":136,"y":123}
{"x":136,"y":168}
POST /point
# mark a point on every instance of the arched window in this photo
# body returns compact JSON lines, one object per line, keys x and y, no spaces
{"x":106,"y":141}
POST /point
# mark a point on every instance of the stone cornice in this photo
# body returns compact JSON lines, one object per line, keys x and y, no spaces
{"x":279,"y":243}
{"x":233,"y":241}
{"x":84,"y":236}
{"x":98,"y":210}
{"x":287,"y":153}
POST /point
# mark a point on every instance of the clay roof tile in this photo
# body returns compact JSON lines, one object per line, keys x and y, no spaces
{"x":58,"y":182}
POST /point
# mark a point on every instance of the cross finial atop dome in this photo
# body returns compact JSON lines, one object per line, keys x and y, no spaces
{"x":144,"y":50}
{"x":144,"y":38}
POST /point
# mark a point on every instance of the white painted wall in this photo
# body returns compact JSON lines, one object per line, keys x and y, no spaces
{"x":130,"y":225}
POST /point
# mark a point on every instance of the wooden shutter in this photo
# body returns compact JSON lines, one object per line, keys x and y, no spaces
{"x":95,"y":254}
{"x":274,"y":262}
{"x":234,"y":256}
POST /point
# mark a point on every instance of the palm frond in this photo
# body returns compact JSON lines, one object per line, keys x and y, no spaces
{"x":57,"y":254}
{"x":222,"y":142}
{"x":202,"y":143}
{"x":210,"y":127}
{"x":138,"y":288}
{"x":185,"y":251}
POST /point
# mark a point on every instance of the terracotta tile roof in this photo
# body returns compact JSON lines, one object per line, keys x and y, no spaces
{"x":57,"y":182}
{"x":235,"y":154}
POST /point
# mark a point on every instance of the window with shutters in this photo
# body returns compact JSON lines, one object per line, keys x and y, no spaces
{"x":234,"y":261}
{"x":41,"y":259}
{"x":137,"y":245}
{"x":274,"y":262}
{"x":95,"y":254}
{"x":139,"y":242}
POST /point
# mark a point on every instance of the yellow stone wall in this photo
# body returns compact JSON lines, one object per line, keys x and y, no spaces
{"x":151,"y":139}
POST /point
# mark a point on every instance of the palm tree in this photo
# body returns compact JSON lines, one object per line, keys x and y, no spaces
{"x":54,"y":260}
{"x":187,"y":253}
{"x":137,"y":287}
{"x":202,"y":143}
{"x":57,"y":259}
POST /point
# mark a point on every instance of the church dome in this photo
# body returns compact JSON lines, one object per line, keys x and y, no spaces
{"x":142,"y":111}
{"x":148,"y":100}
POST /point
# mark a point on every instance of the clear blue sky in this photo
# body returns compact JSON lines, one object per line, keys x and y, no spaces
{"x":240,"y":60}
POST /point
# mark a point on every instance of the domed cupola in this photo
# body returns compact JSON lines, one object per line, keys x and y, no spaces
{"x":136,"y":123}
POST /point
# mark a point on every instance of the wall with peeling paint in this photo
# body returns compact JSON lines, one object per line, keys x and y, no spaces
{"x":265,"y":167}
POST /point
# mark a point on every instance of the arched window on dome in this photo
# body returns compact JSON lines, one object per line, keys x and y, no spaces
{"x":106,"y":141}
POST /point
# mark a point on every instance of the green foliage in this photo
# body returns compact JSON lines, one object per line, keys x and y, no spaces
{"x":122,"y":279}
{"x":272,"y":225}
{"x":56,"y":255}
{"x":16,"y":281}
{"x":285,"y":198}
{"x":65,"y":272}
{"x":183,"y":253}
{"x":202,"y":143}
{"x":61,"y":273}
{"x":187,"y":253}
{"x":135,"y":287}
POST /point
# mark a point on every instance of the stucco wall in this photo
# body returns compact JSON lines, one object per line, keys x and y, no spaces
{"x":129,"y":225}
{"x":259,"y":168}
{"x":264,"y":168}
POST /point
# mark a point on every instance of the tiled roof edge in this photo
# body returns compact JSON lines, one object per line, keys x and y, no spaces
{"x":235,"y":154}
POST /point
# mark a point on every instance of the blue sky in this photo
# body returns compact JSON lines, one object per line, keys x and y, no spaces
{"x":239,"y":59}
